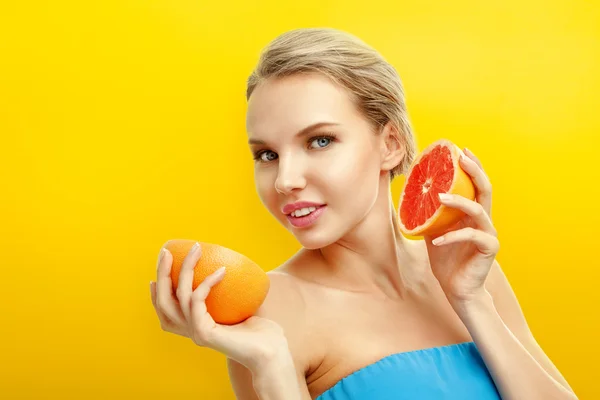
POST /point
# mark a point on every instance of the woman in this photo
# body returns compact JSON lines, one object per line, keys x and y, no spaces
{"x":360,"y":312}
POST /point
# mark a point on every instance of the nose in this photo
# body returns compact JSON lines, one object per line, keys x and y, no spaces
{"x":290,"y":176}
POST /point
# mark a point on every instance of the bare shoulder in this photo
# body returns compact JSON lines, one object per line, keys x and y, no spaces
{"x":285,"y":304}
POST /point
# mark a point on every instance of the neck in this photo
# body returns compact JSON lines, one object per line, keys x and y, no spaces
{"x":375,"y":257}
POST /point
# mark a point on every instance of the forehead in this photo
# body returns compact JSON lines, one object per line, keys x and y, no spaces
{"x":291,"y":103}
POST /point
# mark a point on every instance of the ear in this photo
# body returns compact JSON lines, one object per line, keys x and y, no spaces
{"x":392,"y":150}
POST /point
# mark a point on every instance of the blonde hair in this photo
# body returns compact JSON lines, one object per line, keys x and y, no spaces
{"x":373,"y":83}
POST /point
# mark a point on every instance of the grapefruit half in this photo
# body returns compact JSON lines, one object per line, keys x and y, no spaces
{"x":435,"y":170}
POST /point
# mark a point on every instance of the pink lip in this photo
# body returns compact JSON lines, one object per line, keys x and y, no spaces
{"x":301,"y":204}
{"x":301,"y":222}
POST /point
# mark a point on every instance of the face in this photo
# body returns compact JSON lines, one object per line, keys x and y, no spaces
{"x":311,"y":144}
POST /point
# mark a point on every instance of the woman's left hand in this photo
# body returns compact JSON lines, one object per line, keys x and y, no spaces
{"x":462,"y":257}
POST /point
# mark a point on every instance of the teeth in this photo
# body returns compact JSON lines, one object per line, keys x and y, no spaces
{"x":303,"y":211}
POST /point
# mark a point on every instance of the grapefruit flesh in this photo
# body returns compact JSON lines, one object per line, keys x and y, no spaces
{"x":436,"y":170}
{"x":238,"y":295}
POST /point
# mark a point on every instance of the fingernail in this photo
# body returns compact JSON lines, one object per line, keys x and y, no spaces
{"x":438,"y":240}
{"x":444,"y":196}
{"x":220,"y":271}
{"x":195,"y":247}
{"x":160,"y":257}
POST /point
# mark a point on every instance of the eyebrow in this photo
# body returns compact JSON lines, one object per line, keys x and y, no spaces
{"x":302,"y":132}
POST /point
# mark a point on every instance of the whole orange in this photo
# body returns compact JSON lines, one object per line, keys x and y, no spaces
{"x":241,"y":291}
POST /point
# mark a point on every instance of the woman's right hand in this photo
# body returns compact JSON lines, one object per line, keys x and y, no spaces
{"x":253,"y":342}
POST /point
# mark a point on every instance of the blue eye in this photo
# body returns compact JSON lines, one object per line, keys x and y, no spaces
{"x":322,"y":141}
{"x":270,"y":156}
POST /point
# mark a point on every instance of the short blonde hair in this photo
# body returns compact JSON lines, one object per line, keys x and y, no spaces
{"x":351,"y":63}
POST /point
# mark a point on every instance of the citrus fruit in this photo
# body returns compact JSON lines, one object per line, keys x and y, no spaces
{"x":435,"y":170}
{"x":241,"y":291}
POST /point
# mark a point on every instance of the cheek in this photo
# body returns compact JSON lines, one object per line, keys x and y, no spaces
{"x":353,"y":166}
{"x":352,"y":181}
{"x":264,"y":181}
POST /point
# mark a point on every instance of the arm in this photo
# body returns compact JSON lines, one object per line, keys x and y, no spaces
{"x":517,"y":364}
{"x":508,"y":308}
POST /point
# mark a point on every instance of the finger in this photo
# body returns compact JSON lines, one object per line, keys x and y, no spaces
{"x":201,"y":320}
{"x":165,"y":323}
{"x":486,"y":244}
{"x":165,"y":301}
{"x":153,"y":294}
{"x":481,"y":181}
{"x":186,"y":279}
{"x":159,"y":313}
{"x":202,"y":291}
{"x":471,"y":208}
{"x":473,"y":157}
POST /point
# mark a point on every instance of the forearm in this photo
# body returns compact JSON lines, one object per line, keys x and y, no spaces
{"x":277,"y":380}
{"x":515,"y":371}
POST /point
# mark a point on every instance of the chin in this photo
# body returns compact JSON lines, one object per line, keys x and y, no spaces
{"x":313,"y":239}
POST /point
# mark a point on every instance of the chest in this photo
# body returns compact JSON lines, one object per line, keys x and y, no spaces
{"x":355,"y":332}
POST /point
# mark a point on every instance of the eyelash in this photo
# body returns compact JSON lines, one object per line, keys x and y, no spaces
{"x":257,"y":155}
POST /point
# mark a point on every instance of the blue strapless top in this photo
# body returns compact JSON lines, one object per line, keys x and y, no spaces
{"x":450,"y":372}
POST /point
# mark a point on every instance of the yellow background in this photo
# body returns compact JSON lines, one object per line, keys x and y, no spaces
{"x":122,"y":126}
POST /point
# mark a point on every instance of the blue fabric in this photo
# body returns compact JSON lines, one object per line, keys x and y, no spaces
{"x":448,"y":372}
